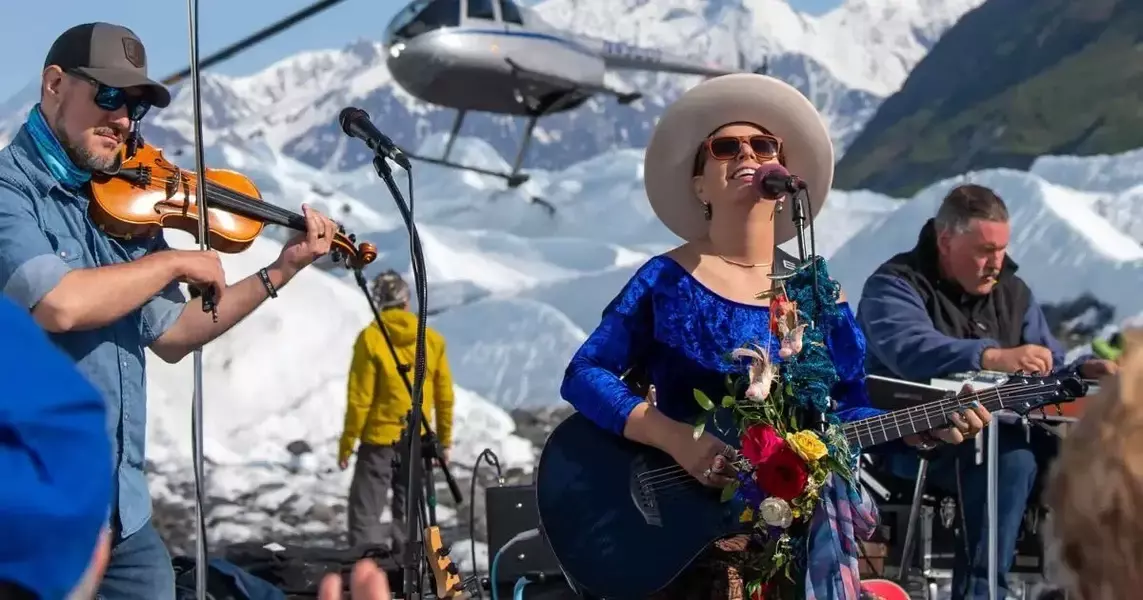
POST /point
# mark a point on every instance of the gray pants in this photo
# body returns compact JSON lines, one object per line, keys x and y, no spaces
{"x":373,"y":476}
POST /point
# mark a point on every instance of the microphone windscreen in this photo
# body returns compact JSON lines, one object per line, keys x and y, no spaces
{"x":348,"y":113}
{"x":760,"y":178}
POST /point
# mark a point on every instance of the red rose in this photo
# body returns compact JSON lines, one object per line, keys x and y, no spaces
{"x":759,"y":592}
{"x":759,"y":443}
{"x":783,"y":474}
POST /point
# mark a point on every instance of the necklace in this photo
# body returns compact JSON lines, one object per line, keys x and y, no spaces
{"x":744,"y":265}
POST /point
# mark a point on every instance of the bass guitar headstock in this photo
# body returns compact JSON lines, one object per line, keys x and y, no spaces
{"x":446,"y":575}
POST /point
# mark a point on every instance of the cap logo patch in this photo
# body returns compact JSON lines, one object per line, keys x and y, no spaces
{"x":133,"y":51}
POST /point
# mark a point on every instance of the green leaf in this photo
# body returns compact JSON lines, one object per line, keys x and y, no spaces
{"x":703,"y":400}
{"x":700,"y":427}
{"x":727,"y":401}
{"x":728,"y":491}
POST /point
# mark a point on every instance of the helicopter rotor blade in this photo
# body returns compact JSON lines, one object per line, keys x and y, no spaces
{"x":255,"y":38}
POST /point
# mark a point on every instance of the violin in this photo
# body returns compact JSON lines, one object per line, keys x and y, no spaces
{"x":147,"y":193}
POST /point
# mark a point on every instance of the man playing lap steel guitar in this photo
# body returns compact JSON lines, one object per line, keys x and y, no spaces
{"x":104,"y":300}
{"x":954,"y":304}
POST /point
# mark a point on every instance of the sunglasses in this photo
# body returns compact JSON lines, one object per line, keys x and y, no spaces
{"x":112,"y":99}
{"x":727,"y":147}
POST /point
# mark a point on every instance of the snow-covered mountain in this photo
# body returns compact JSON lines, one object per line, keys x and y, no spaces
{"x":846,"y":61}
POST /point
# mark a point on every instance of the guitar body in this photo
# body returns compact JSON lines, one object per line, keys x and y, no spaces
{"x":616,"y":536}
{"x":613,"y":537}
{"x":883,"y":589}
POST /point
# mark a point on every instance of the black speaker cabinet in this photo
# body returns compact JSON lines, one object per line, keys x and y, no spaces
{"x":510,"y":510}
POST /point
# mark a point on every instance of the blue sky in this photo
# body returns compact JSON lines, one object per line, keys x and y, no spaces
{"x":28,"y":30}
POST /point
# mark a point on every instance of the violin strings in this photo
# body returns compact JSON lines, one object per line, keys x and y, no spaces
{"x":259,"y":209}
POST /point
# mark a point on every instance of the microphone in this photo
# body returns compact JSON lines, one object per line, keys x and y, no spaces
{"x":773,"y":181}
{"x":356,"y":124}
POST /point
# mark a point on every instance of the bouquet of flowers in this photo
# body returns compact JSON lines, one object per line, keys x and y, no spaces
{"x":783,"y":464}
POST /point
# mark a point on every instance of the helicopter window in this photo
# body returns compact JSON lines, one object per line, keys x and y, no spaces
{"x":510,"y":13}
{"x":481,"y":9}
{"x":432,"y":15}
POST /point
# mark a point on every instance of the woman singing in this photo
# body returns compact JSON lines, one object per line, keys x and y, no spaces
{"x":677,"y":320}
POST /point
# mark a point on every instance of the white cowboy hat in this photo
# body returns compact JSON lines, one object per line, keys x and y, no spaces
{"x":742,"y":97}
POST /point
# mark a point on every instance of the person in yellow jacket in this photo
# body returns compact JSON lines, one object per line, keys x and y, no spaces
{"x":379,"y":401}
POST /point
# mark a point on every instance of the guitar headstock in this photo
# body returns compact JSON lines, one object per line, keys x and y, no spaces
{"x":446,"y":575}
{"x":1025,"y":393}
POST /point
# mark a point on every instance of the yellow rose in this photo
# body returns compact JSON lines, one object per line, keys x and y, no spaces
{"x":807,"y":445}
{"x":746,"y":516}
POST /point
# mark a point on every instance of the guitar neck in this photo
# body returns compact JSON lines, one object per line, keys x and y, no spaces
{"x":934,"y":415}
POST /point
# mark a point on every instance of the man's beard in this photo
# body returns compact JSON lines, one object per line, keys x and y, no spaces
{"x":82,"y":157}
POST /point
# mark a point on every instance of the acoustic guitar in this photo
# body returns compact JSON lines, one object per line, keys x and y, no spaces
{"x":619,"y":535}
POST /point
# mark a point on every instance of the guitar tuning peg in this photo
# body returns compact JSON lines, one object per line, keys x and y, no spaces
{"x":353,"y":237}
{"x":452,"y":569}
{"x":444,"y":550}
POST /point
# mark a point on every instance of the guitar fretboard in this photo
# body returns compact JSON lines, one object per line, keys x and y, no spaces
{"x":934,"y":415}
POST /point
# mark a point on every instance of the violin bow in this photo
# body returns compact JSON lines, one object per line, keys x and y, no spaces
{"x":207,"y":298}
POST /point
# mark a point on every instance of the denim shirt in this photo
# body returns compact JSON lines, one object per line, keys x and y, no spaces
{"x":45,"y":232}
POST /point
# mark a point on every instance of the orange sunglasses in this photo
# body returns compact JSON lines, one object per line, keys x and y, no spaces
{"x":727,"y":147}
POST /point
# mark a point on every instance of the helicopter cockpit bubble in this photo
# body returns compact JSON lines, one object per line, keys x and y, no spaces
{"x":421,"y":16}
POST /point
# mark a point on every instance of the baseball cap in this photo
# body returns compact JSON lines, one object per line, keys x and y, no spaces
{"x":55,"y":462}
{"x":110,"y":54}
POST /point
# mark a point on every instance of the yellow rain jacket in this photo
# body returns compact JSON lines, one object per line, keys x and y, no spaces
{"x":377,"y":396}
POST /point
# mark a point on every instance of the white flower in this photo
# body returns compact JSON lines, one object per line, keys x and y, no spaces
{"x":792,"y":342}
{"x":761,"y":372}
{"x":776,"y":512}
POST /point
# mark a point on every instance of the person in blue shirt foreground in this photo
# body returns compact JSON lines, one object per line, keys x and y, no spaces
{"x":55,"y":465}
{"x":954,"y":304}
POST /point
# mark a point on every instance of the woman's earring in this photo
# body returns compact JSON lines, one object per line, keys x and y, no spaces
{"x":706,"y":210}
{"x":781,"y":203}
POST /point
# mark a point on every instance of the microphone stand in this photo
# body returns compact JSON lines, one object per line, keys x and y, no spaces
{"x":798,"y":200}
{"x":414,"y":504}
{"x":208,"y":296}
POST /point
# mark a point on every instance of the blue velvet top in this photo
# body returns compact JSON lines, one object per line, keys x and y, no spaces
{"x":680,"y":334}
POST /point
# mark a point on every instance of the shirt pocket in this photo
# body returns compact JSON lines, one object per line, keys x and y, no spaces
{"x":69,"y":249}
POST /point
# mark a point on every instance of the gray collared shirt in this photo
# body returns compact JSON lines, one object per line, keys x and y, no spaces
{"x":44,"y":233}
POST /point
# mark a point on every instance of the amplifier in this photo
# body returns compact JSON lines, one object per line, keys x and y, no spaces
{"x":510,"y":510}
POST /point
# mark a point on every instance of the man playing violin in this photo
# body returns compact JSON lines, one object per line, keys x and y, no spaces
{"x":104,"y":300}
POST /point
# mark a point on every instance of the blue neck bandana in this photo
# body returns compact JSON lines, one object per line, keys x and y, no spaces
{"x":59,"y":163}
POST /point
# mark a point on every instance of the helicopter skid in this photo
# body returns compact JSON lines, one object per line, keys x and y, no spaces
{"x":552,"y":103}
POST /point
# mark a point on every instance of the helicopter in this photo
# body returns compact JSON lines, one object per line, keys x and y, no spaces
{"x":496,"y":56}
{"x":493,"y":56}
